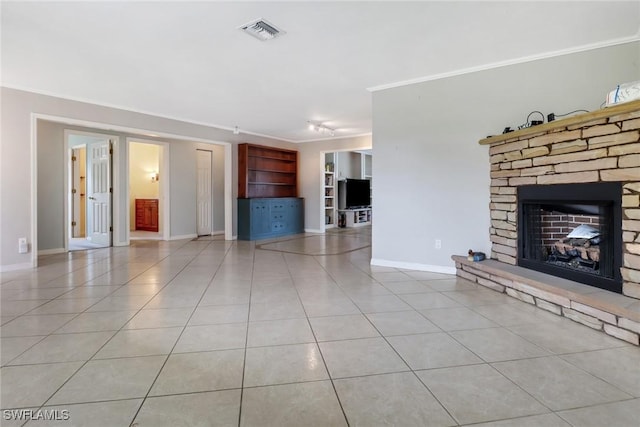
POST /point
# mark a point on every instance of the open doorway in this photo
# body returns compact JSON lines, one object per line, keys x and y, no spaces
{"x":147,"y":186}
{"x":89,"y":216}
{"x":337,"y":168}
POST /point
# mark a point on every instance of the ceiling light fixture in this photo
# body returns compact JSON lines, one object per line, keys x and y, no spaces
{"x":236,"y":131}
{"x":262,"y":29}
{"x":319,"y":127}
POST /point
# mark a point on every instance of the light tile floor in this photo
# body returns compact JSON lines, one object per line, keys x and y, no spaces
{"x":209,"y":332}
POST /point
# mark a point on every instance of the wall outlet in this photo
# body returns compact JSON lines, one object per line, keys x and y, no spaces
{"x":23,"y":246}
{"x":438,"y":244}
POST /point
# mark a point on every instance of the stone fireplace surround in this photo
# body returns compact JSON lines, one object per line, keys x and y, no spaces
{"x":602,"y":146}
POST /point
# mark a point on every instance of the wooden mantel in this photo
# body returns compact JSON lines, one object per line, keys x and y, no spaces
{"x":579,"y":119}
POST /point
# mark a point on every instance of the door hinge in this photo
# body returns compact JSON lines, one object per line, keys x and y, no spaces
{"x":73,"y":223}
{"x":73,"y":191}
{"x":110,"y":190}
{"x":73,"y":158}
{"x":110,"y":228}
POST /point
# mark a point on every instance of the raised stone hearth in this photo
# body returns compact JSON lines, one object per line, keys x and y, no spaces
{"x":598,"y":147}
{"x":614,"y":314}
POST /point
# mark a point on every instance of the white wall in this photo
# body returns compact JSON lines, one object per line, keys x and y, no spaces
{"x":17,"y":187}
{"x":432,"y":177}
{"x":311,"y":174}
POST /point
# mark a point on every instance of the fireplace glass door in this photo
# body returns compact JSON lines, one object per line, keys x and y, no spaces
{"x":570,"y":233}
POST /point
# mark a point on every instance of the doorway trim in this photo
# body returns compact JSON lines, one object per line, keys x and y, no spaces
{"x":115,"y":195}
{"x":165,"y":194}
{"x":228,"y":172}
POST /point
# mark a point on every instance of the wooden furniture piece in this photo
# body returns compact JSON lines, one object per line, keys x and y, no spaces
{"x":147,"y":214}
{"x":268,"y":205}
{"x":266,"y":172}
{"x":262,"y":218}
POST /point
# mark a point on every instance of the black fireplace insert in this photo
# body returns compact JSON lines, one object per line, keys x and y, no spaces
{"x":572,"y":231}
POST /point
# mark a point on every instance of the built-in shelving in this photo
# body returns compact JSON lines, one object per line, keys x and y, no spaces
{"x":266,"y":172}
{"x":330,"y":190}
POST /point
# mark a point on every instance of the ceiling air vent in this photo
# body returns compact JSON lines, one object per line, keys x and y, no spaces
{"x":262,"y":30}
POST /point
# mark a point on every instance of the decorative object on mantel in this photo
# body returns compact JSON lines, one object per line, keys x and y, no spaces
{"x":624,"y":92}
{"x":476,"y":256}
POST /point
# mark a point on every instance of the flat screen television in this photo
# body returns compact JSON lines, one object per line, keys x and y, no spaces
{"x":354,"y":193}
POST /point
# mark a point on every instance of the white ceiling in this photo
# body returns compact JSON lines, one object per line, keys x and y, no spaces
{"x":189,"y":61}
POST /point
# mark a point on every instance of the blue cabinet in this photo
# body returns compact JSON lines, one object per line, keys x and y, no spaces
{"x":263,"y":218}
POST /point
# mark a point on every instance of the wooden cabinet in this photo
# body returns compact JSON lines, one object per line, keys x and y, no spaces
{"x":267,"y":172}
{"x":147,"y":214}
{"x":262,"y":218}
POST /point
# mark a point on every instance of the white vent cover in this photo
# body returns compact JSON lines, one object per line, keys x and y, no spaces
{"x":262,"y":29}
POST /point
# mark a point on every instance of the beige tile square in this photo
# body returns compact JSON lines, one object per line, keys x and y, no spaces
{"x":619,"y":414}
{"x":216,"y":314}
{"x":558,"y":384}
{"x":99,"y":414}
{"x":428,"y":351}
{"x":95,"y":322}
{"x":212,"y":337}
{"x":159,"y":318}
{"x":283,"y":364}
{"x":196,"y":372}
{"x":117,"y":378}
{"x":401,"y":323}
{"x":458,"y":318}
{"x":429,"y":300}
{"x":140,"y":342}
{"x":334,"y":328}
{"x":302,"y":404}
{"x":219,"y":408}
{"x":619,"y":367}
{"x":360,"y":357}
{"x":496,"y":344}
{"x":31,"y":385}
{"x":478,"y":393}
{"x":64,"y":348}
{"x":278,"y":332}
{"x":390,"y":400}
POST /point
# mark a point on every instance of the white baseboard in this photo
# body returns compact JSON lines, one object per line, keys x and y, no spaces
{"x":413,"y":266}
{"x":234,"y":237}
{"x":313,"y":230}
{"x":51,"y":251}
{"x":14,"y":267}
{"x":217,"y":233}
{"x":184,"y":236}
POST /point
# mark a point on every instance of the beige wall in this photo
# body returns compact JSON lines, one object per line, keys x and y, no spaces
{"x":18,"y":188}
{"x":144,"y":159}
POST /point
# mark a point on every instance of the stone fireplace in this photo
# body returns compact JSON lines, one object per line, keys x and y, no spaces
{"x":565,"y":219}
{"x":604,"y":150}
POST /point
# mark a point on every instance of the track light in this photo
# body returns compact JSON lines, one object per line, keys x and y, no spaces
{"x":319,"y":127}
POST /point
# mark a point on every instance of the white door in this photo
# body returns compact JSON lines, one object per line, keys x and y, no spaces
{"x":204,"y":216}
{"x":99,"y":192}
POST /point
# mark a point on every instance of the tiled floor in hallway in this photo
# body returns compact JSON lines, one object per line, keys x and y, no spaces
{"x":209,"y":332}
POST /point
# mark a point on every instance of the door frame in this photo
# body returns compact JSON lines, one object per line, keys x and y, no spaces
{"x":228,"y":173}
{"x":164,"y":216}
{"x":211,"y":217}
{"x":68,"y":183}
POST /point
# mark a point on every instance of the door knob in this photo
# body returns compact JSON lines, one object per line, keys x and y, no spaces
{"x":91,"y":198}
